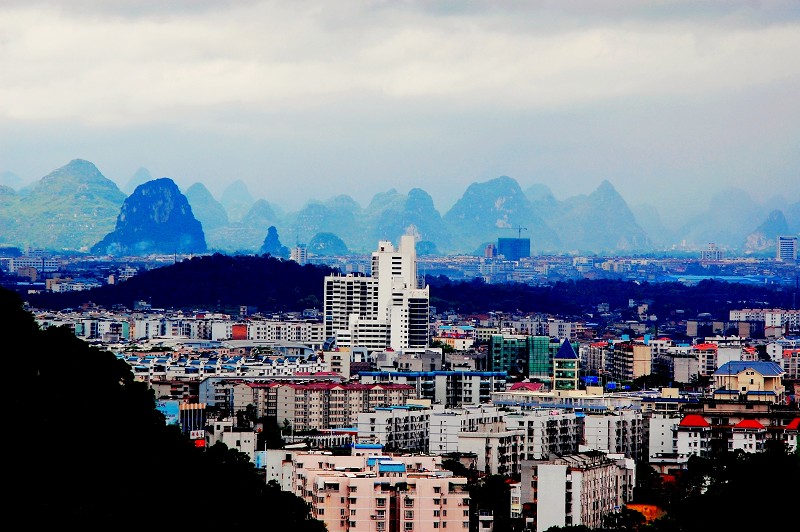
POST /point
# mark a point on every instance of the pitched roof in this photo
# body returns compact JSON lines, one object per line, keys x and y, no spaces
{"x":748,"y":424}
{"x":694,"y":420}
{"x":765,"y":368}
{"x":566,"y":351}
{"x":529,"y":386}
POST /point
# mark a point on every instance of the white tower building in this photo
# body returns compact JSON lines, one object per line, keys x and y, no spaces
{"x":387,"y":310}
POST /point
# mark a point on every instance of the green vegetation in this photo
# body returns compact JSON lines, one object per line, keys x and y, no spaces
{"x":92,"y":452}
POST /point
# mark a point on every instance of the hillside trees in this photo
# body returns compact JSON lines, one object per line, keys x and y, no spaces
{"x":92,"y":451}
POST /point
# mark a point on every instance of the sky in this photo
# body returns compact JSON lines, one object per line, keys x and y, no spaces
{"x":669,"y":101}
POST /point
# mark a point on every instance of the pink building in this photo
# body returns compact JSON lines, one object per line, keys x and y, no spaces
{"x":381,"y":492}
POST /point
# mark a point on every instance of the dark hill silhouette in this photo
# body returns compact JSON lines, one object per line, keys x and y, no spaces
{"x":95,"y":444}
{"x":224,"y":282}
{"x":211,"y":282}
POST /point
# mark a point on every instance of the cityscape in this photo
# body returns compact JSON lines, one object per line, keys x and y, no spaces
{"x":383,"y":413}
{"x":418,"y":266}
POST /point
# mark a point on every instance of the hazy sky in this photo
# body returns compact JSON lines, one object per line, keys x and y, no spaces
{"x":669,"y":101}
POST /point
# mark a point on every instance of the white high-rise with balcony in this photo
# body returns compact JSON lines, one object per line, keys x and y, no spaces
{"x":389,"y":309}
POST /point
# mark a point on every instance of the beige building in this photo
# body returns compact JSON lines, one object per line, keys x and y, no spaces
{"x":751,"y":381}
{"x":631,"y":360}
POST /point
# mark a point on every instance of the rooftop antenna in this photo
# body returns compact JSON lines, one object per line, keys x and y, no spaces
{"x":519,"y":229}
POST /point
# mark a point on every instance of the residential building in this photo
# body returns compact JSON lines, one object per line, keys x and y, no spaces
{"x":400,"y":427}
{"x":448,"y":388}
{"x":577,"y":489}
{"x":376,"y":492}
{"x":388,"y":309}
{"x":750,"y":381}
{"x":786,"y":248}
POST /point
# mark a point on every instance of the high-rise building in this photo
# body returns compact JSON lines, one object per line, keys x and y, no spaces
{"x":389,"y":309}
{"x":711,"y":253}
{"x":787,"y":248}
{"x":514,"y":248}
{"x":300,"y":254}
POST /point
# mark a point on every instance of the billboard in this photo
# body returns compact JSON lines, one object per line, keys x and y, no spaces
{"x":171,"y":410}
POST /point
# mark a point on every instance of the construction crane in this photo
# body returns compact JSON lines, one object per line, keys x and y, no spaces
{"x":519,"y":229}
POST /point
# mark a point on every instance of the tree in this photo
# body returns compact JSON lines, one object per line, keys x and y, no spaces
{"x":93,"y":454}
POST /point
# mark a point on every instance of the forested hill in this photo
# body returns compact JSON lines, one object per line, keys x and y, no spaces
{"x":96,"y":454}
{"x":209,"y":282}
{"x":225,"y":282}
{"x":578,"y":298}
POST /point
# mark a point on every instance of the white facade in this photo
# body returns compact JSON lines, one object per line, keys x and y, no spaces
{"x":388,"y":309}
{"x":403,"y":427}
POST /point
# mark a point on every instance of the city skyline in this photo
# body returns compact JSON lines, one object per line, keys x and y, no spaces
{"x":669,"y":102}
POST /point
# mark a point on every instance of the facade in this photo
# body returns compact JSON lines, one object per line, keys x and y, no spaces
{"x":531,"y":356}
{"x":751,"y":381}
{"x":390,"y":309}
{"x":401,"y":427}
{"x":786,"y":249}
{"x":631,"y":360}
{"x":311,"y":405}
{"x":576,"y":489}
{"x":547,"y":432}
{"x":448,"y":388}
{"x":615,"y":432}
{"x":497,"y":452}
{"x":376,"y":492}
{"x":566,"y":368}
{"x":514,"y":249}
{"x":719,"y":425}
{"x":447,"y":423}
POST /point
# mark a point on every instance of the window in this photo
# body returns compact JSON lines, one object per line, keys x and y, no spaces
{"x":408,"y":526}
{"x":436,"y":524}
{"x":351,"y":489}
{"x":380,"y":503}
{"x":409,"y":514}
{"x":437,"y":501}
{"x":352,"y":513}
{"x":436,"y":513}
{"x":437,"y":489}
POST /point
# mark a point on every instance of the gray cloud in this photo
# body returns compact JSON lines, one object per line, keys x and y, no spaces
{"x":358,"y":97}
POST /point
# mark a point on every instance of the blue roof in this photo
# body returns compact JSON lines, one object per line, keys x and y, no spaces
{"x":765,"y":368}
{"x":391,"y":467}
{"x":566,"y":351}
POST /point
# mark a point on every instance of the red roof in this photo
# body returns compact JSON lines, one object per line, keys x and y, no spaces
{"x":694,"y":420}
{"x":749,"y":424}
{"x":706,"y":346}
{"x":529,"y":386}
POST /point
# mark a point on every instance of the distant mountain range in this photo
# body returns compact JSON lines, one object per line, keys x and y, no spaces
{"x":76,"y":208}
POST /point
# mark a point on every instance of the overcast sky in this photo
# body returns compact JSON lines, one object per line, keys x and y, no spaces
{"x":668,"y":101}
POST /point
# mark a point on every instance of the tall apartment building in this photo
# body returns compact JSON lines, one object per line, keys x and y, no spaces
{"x":786,"y":249}
{"x":576,"y":489}
{"x":514,"y":249}
{"x":631,"y":360}
{"x":389,"y":309}
{"x":299,"y":254}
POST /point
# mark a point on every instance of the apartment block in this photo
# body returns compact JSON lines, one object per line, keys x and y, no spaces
{"x":576,"y":489}
{"x":376,"y":492}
